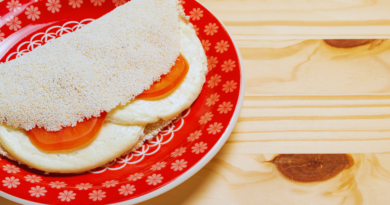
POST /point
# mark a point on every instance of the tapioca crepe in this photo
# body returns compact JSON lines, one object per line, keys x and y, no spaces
{"x":81,"y":74}
{"x":129,"y":124}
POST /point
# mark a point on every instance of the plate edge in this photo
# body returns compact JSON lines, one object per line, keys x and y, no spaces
{"x":200,"y":164}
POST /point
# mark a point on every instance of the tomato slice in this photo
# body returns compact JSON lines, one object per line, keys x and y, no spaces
{"x":67,"y":137}
{"x":169,"y":81}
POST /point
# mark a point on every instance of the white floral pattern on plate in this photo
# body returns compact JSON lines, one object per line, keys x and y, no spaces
{"x":225,"y":107}
{"x":215,"y":128}
{"x":135,"y":177}
{"x":178,"y":152}
{"x":111,"y":183}
{"x":97,"y":195}
{"x":206,"y":45}
{"x":57,"y":184}
{"x":37,"y":191}
{"x":196,"y":14}
{"x":75,"y":3}
{"x":222,"y":46}
{"x":179,"y":165}
{"x":211,"y":29}
{"x":53,"y":5}
{"x":67,"y":195}
{"x":158,"y":166}
{"x":228,"y":65}
{"x":229,"y":86}
{"x":206,"y":118}
{"x":14,"y":5}
{"x":126,"y":189}
{"x":32,"y":13}
{"x":199,"y":147}
{"x":212,"y":99}
{"x":97,"y":2}
{"x":154,"y":179}
{"x":14,"y":23}
{"x":84,"y":186}
{"x":11,"y":169}
{"x":33,"y":178}
{"x":11,"y":182}
{"x":194,"y":136}
{"x":214,"y":81}
{"x":212,"y":62}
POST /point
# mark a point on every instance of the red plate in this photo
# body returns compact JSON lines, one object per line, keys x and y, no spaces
{"x":176,"y":154}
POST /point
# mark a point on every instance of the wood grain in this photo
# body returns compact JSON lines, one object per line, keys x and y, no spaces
{"x":232,"y":178}
{"x":302,"y":96}
{"x":250,"y":20}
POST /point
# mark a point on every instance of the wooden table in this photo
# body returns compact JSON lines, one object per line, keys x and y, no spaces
{"x":302,"y":96}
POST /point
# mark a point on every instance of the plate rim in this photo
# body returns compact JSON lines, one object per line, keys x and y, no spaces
{"x":201,"y":163}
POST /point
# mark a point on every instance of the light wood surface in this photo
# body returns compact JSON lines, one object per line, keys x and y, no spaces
{"x":302,"y":96}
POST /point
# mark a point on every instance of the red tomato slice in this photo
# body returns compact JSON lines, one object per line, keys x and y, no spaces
{"x":169,"y":81}
{"x":67,"y":137}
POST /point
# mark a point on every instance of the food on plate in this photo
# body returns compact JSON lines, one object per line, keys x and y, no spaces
{"x":150,"y":111}
{"x":80,"y":112}
{"x":81,"y":74}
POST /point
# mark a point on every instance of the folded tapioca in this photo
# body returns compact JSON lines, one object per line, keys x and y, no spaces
{"x":90,"y":96}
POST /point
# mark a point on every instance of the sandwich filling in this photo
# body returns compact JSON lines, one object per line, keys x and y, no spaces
{"x":125,"y":127}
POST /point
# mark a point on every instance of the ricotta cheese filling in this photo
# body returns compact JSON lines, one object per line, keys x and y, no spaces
{"x":123,"y":126}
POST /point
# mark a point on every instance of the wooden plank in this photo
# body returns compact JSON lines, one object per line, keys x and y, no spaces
{"x":307,"y":147}
{"x":232,"y":178}
{"x":301,"y":12}
{"x":316,"y":112}
{"x":299,"y":91}
{"x":253,"y":19}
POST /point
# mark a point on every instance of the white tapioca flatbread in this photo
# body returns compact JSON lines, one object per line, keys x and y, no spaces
{"x":150,"y":111}
{"x":112,"y":141}
{"x":106,"y":63}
